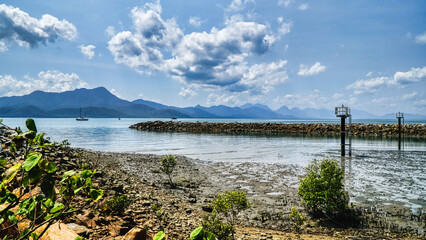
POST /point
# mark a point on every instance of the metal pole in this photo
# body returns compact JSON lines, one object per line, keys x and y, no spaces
{"x":342,"y":135}
{"x":399,"y":134}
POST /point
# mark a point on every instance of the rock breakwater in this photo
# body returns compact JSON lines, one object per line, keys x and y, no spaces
{"x":357,"y":129}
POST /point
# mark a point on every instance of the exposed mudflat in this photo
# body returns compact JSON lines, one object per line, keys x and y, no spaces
{"x":272,"y":188}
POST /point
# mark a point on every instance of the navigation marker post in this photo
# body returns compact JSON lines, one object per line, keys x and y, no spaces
{"x":344,"y":112}
{"x":400,"y":116}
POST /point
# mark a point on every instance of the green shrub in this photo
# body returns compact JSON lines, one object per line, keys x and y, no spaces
{"x":167,"y":166}
{"x":36,"y":171}
{"x":213,"y":224}
{"x":198,"y":234}
{"x":119,"y":204}
{"x":296,"y":219}
{"x":322,"y":190}
{"x":230,"y":204}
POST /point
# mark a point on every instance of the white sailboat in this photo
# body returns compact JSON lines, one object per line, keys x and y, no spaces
{"x":82,"y":118}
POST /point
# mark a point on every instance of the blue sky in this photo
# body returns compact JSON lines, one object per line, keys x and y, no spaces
{"x":369,"y":55}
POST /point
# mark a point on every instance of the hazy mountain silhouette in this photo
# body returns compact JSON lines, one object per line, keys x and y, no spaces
{"x":99,"y":102}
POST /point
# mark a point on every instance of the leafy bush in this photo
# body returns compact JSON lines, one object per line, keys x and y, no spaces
{"x":296,"y":219}
{"x":198,"y":234}
{"x":223,"y":231}
{"x":167,"y":166}
{"x":26,"y":206}
{"x":322,"y":190}
{"x":230,"y":204}
{"x":119,"y":204}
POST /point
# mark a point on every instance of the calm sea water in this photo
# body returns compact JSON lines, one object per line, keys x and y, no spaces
{"x":377,"y":174}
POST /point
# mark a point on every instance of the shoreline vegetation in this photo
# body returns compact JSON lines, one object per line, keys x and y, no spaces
{"x":327,"y":129}
{"x":155,"y":206}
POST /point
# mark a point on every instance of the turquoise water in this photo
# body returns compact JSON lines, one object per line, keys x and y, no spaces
{"x":380,"y":174}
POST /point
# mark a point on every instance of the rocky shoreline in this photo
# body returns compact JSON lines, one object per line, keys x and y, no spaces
{"x":271,"y":187}
{"x":357,"y":129}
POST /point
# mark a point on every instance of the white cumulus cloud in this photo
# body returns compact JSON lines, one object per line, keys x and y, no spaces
{"x":17,"y":26}
{"x":399,"y":79}
{"x":215,"y":59}
{"x":409,"y":96}
{"x":314,"y":100}
{"x":224,"y":99}
{"x":49,"y":81}
{"x":188,"y":93}
{"x":368,"y":85}
{"x":303,"y":6}
{"x":412,"y":76}
{"x":110,"y":31}
{"x":88,"y":51}
{"x":421,"y":38}
{"x":305,"y":70}
{"x":284,"y":3}
{"x":195,"y":21}
{"x":285,"y":28}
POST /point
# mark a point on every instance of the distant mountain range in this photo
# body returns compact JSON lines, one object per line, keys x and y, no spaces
{"x":99,"y":102}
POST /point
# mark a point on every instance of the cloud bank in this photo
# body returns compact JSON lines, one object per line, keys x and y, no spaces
{"x":399,"y":79}
{"x":315,"y":69}
{"x":49,"y":81}
{"x":17,"y":26}
{"x":88,"y":51}
{"x":216,"y":59}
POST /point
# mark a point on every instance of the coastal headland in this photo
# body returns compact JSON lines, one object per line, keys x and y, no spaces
{"x":357,"y":129}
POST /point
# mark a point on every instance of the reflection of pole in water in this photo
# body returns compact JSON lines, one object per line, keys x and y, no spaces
{"x":400,"y":116}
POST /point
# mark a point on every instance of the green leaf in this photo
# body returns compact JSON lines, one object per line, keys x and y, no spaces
{"x":67,"y":174}
{"x":51,"y":167}
{"x":78,"y":190}
{"x":12,"y":148}
{"x":56,"y":207}
{"x":3,"y":162}
{"x":43,"y":164}
{"x":159,"y":236}
{"x":86,"y":173}
{"x":39,"y":138}
{"x":197,"y":234}
{"x":31,"y":124}
{"x":23,"y":233}
{"x":11,"y":198}
{"x":11,"y":173}
{"x":31,"y":161}
{"x":13,"y":218}
{"x":1,"y":220}
{"x":29,"y":135}
{"x":95,"y":195}
{"x":210,"y":236}
{"x":89,"y":182}
{"x":34,"y":236}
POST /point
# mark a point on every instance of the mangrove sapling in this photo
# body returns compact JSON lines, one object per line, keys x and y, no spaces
{"x":322,"y":190}
{"x":198,"y":234}
{"x":167,"y":166}
{"x":230,"y":204}
{"x":296,"y":219}
{"x":119,"y":204}
{"x":27,"y":209}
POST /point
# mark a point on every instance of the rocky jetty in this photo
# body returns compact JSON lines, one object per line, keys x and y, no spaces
{"x":357,"y":129}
